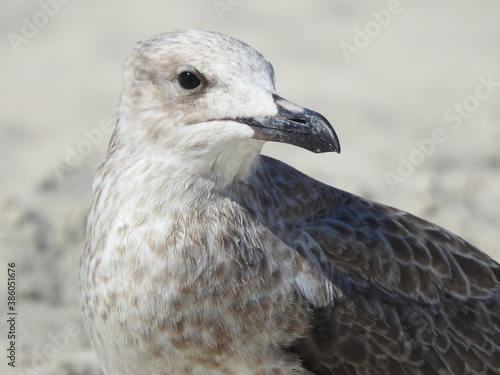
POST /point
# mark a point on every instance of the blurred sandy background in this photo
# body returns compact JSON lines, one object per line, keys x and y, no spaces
{"x":65,"y":77}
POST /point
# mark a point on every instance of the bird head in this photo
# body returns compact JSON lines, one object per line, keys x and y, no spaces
{"x":210,"y":96}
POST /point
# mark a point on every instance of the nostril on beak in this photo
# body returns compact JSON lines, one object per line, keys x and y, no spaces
{"x":299,"y":120}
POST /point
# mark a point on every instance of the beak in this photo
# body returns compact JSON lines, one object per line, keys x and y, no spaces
{"x":295,"y":125}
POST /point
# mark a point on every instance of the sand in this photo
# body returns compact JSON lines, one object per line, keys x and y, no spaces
{"x":412,"y":89}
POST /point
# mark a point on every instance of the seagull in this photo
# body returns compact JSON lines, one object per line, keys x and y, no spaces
{"x":204,"y":257}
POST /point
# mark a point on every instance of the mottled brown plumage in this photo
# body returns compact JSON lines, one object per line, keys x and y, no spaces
{"x":203,"y":257}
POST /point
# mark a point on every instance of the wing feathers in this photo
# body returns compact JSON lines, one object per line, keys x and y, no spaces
{"x":419,"y":300}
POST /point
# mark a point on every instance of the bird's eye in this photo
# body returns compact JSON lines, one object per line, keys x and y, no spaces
{"x":188,"y":80}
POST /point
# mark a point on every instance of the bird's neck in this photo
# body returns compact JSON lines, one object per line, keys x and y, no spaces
{"x":223,"y":163}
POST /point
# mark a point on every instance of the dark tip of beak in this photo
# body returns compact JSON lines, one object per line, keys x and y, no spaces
{"x":322,"y":130}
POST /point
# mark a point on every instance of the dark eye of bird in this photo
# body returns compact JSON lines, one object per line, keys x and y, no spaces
{"x":188,"y":80}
